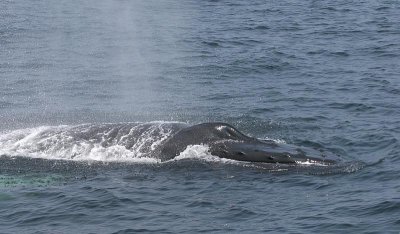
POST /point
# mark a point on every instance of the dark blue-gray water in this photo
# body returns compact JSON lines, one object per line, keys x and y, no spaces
{"x":319,"y":74}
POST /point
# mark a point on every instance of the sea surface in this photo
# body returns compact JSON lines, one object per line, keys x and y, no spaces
{"x":318,"y":74}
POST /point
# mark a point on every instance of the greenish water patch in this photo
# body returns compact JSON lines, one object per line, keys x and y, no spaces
{"x":5,"y":197}
{"x":34,"y":180}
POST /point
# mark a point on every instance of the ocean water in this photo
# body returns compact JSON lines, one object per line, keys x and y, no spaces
{"x":77,"y":77}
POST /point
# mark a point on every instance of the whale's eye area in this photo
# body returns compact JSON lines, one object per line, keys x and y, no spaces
{"x":240,"y":153}
{"x":229,"y":132}
{"x":270,"y":158}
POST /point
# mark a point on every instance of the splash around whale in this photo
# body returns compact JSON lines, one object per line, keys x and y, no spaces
{"x":152,"y":142}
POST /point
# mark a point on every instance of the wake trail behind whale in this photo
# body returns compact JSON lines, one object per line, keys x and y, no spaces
{"x":133,"y":142}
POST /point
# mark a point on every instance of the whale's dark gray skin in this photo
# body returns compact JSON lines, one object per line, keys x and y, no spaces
{"x":225,"y":141}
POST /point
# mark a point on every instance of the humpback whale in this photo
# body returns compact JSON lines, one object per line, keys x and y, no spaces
{"x":225,"y":141}
{"x":161,"y":141}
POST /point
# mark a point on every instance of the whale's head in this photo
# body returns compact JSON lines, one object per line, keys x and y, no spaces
{"x":225,"y":141}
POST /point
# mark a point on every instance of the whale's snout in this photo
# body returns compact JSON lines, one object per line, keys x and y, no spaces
{"x":268,"y":152}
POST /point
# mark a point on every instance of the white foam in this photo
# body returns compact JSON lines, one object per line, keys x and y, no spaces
{"x":202,"y":152}
{"x":279,"y":141}
{"x":195,"y":152}
{"x":311,"y":163}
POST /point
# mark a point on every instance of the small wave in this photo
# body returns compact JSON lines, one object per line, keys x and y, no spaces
{"x":5,"y":104}
{"x":382,"y":8}
{"x":350,"y":106}
{"x":262,"y":27}
{"x":211,"y":43}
